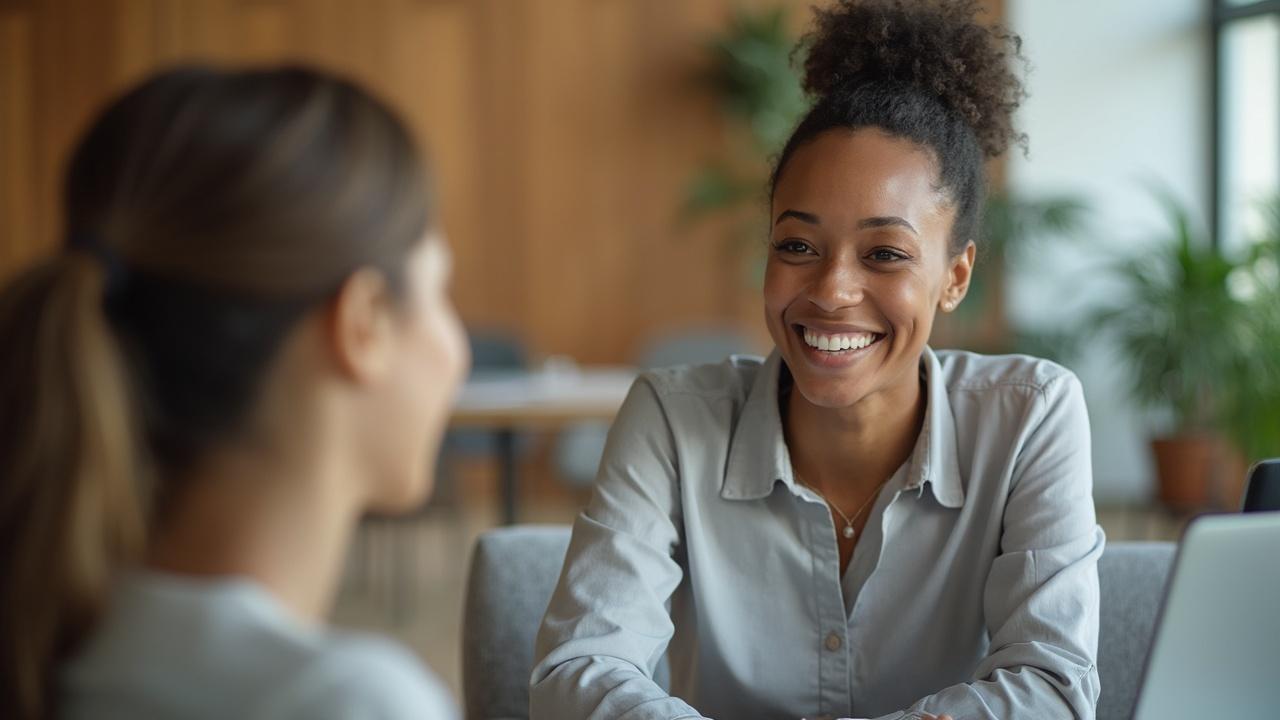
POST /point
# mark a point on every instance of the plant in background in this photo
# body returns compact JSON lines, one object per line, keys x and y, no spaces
{"x":752,"y":75}
{"x":1178,"y":324}
{"x":1011,"y":225}
{"x":1252,"y":391}
{"x":1182,"y":333}
{"x":1010,"y":221}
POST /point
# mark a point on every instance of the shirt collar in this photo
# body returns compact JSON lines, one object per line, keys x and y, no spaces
{"x":758,"y":457}
{"x":936,"y":460}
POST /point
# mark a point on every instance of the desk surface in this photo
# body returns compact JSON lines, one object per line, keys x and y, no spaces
{"x":544,"y":399}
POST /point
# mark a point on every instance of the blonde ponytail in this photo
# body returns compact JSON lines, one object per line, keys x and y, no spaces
{"x":72,"y":506}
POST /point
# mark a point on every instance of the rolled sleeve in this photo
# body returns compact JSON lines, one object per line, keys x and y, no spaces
{"x":1041,"y":595}
{"x":607,"y":625}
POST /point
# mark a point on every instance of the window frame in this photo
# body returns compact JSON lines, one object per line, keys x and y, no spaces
{"x":1222,"y":16}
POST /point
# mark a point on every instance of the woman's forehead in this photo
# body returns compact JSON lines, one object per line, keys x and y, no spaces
{"x":846,"y":177}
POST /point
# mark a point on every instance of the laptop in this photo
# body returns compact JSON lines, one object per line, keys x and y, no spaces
{"x":1263,"y":493}
{"x":1216,"y":652}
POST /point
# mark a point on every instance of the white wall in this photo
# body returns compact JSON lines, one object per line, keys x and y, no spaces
{"x":1119,"y":100}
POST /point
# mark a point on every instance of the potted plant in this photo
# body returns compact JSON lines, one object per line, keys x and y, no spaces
{"x":1252,"y":391}
{"x":751,"y":73}
{"x":1182,"y":331}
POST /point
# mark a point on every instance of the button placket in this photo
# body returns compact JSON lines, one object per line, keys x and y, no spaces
{"x":833,"y":680}
{"x":857,"y":668}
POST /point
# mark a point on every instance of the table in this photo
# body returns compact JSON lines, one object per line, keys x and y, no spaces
{"x":560,"y":394}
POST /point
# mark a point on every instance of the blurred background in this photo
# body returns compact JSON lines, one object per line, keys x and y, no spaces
{"x":601,"y":165}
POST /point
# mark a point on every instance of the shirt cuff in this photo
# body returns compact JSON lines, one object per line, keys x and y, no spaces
{"x":667,"y":708}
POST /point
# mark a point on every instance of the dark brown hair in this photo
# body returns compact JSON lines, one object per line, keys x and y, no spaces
{"x":206,"y":212}
{"x":923,"y":70}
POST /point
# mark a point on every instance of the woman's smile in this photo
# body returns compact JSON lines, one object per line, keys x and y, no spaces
{"x":836,"y":348}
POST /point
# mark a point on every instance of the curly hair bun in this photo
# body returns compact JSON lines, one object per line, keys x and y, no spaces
{"x":936,"y":46}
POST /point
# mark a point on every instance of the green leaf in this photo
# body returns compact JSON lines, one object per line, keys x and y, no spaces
{"x":714,"y":188}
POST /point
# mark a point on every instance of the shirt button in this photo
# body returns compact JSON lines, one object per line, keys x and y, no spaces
{"x":834,"y":641}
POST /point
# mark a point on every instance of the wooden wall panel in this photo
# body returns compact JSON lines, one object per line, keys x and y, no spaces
{"x":17,"y":127}
{"x":562,"y":132}
{"x":492,"y":276}
{"x":433,"y":79}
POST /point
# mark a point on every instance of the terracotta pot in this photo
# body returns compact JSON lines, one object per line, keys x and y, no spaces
{"x":1199,"y":472}
{"x":1185,"y":469}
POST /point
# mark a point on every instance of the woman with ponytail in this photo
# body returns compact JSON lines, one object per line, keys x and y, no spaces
{"x":244,"y":345}
{"x":857,"y":525}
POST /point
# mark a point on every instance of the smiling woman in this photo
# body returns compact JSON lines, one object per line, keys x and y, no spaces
{"x":856,"y":525}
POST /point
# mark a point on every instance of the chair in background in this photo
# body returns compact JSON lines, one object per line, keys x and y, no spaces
{"x":579,"y":447}
{"x":514,"y":570}
{"x":492,"y":353}
{"x":695,"y":346}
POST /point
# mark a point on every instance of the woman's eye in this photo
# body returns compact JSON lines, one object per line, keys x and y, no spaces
{"x":793,"y":247}
{"x":885,"y":255}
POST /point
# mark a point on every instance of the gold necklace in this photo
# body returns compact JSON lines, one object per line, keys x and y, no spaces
{"x":848,"y":532}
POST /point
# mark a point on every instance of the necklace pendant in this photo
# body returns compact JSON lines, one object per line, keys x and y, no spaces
{"x":847,"y":532}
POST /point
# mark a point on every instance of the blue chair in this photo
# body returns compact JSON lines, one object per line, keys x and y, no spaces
{"x":492,"y":353}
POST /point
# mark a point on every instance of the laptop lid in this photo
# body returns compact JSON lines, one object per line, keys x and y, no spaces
{"x":1263,"y":491}
{"x":1217,"y":646}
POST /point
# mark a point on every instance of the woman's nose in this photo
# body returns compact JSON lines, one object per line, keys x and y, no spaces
{"x":839,"y":284}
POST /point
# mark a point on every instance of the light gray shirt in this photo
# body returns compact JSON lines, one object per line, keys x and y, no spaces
{"x":973,"y":591}
{"x":190,"y":649}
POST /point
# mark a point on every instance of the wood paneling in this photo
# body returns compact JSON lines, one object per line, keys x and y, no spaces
{"x":562,"y":133}
{"x":17,"y":127}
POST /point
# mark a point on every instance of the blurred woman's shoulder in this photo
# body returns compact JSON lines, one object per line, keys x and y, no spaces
{"x":362,"y":675}
{"x":192,"y":648}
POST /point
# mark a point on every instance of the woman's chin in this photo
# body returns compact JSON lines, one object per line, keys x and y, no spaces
{"x":830,"y":393}
{"x":404,"y":498}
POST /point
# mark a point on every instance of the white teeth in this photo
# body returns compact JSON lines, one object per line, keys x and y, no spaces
{"x":837,"y":343}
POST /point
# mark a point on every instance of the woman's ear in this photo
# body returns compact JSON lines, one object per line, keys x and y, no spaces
{"x":361,"y":326}
{"x":959,"y":273}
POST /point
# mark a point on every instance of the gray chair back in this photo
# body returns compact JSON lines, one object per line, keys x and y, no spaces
{"x":1132,"y":577}
{"x":514,"y":570}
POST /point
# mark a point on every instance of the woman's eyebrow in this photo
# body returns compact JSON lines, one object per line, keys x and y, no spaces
{"x":799,"y":215}
{"x":886,"y":221}
{"x":871,"y":222}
